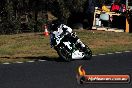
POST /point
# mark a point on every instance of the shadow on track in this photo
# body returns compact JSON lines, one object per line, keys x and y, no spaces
{"x":37,"y":58}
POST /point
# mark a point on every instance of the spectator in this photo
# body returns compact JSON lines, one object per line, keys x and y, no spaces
{"x":104,"y":8}
{"x":123,"y":8}
{"x":89,"y":15}
{"x":115,"y":7}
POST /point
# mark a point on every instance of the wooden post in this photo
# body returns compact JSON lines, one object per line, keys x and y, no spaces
{"x":127,"y":24}
{"x":94,"y":20}
{"x":127,"y":18}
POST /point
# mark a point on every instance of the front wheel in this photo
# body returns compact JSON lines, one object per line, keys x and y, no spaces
{"x":87,"y":53}
{"x":64,"y":53}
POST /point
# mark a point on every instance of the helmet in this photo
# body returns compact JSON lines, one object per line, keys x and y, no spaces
{"x":54,"y":25}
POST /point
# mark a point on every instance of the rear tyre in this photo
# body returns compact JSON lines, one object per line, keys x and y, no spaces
{"x":64,"y":53}
{"x":87,"y":53}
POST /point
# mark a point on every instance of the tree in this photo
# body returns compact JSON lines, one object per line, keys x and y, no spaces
{"x":11,"y":12}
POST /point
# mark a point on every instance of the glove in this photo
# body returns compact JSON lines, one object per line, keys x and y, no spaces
{"x":64,"y":29}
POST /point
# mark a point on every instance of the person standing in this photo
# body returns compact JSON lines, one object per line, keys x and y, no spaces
{"x":89,"y":14}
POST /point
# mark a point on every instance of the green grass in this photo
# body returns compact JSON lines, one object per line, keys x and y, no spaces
{"x":22,"y":47}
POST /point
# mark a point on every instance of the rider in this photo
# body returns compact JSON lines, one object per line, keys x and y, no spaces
{"x":58,"y":28}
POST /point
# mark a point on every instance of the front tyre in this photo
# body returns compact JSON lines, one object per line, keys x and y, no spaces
{"x":87,"y":53}
{"x":64,"y":53}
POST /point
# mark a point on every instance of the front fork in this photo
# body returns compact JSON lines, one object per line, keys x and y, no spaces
{"x":77,"y":40}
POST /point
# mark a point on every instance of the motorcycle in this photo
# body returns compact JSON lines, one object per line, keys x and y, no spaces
{"x":67,"y":48}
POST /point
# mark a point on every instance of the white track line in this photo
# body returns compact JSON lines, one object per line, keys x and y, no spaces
{"x":6,"y":63}
{"x":41,"y":60}
{"x":118,"y":52}
{"x":94,"y":55}
{"x":19,"y":62}
{"x":30,"y":61}
{"x":127,"y":51}
{"x":102,"y":54}
{"x":110,"y":53}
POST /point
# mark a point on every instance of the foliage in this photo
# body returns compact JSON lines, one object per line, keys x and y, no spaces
{"x":13,"y":13}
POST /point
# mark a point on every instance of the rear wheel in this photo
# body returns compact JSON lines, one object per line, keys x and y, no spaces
{"x":64,"y":53}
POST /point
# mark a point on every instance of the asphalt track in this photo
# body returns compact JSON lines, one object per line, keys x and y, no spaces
{"x":54,"y":74}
